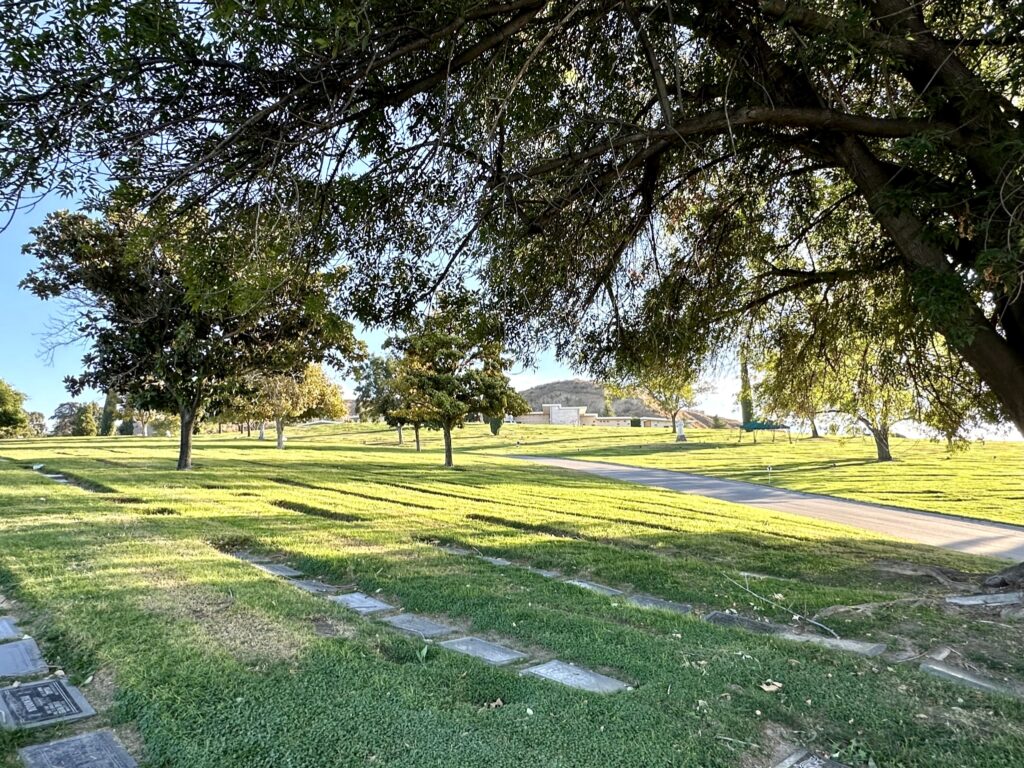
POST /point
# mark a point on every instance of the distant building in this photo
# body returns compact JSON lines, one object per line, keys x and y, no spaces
{"x":577,"y":416}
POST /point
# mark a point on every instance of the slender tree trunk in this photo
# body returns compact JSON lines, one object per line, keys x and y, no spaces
{"x":188,"y":423}
{"x":746,"y":397}
{"x":279,"y":423}
{"x":401,"y":438}
{"x":220,"y":428}
{"x":814,"y":428}
{"x":448,"y":460}
{"x":263,"y":430}
{"x":248,"y":429}
{"x":416,"y":432}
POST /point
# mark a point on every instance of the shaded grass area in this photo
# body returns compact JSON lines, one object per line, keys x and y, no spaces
{"x":218,"y":664}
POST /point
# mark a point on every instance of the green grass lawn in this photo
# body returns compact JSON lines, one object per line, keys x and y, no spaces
{"x":200,"y":660}
{"x":986,"y":480}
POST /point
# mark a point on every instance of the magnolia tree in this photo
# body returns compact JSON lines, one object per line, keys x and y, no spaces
{"x":175,"y":309}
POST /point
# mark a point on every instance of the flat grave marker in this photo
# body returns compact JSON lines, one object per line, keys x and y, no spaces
{"x":9,"y":629}
{"x":99,"y":749}
{"x":970,"y":679}
{"x":491,"y":653}
{"x":544,"y":572}
{"x":314,"y":587}
{"x":742,"y":622}
{"x":21,"y":659}
{"x":499,"y":561}
{"x":451,"y":549}
{"x":45,"y":702}
{"x":576,"y":677}
{"x":601,"y":589}
{"x":804,"y":758}
{"x":362,"y":604}
{"x":999,"y":598}
{"x":421,"y":626}
{"x":837,"y":644}
{"x":278,"y":569}
{"x":650,"y":601}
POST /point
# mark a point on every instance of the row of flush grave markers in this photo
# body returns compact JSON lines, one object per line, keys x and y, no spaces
{"x":499,"y":655}
{"x":43,"y":702}
{"x":577,"y":677}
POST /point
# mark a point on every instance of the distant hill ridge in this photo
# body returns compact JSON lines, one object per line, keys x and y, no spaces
{"x":570,"y":392}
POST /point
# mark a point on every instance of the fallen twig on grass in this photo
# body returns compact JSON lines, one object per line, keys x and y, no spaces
{"x":790,"y":611}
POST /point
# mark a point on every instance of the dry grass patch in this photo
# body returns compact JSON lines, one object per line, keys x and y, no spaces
{"x":242,"y":631}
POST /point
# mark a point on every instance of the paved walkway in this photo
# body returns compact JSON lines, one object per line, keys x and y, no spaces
{"x":962,"y":534}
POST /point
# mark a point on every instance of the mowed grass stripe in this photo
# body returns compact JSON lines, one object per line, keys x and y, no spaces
{"x":203,"y":696}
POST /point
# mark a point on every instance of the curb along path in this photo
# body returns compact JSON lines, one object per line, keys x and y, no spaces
{"x":979,"y":537}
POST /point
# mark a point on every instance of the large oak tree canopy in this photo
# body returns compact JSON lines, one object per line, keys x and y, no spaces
{"x":618,"y":172}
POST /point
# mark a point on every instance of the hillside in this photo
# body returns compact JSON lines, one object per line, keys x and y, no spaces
{"x":591,"y":394}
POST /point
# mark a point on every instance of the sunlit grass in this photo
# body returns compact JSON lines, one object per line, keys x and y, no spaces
{"x":217,"y":664}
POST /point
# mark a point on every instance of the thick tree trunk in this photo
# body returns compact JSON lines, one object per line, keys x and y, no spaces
{"x":416,"y":432}
{"x":401,"y":439}
{"x":263,"y":430}
{"x":448,"y":460}
{"x":279,"y":423}
{"x":814,"y":428}
{"x":188,"y":423}
{"x":881,"y":435}
{"x":997,"y":361}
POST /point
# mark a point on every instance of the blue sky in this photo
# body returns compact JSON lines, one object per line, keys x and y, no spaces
{"x":24,"y":320}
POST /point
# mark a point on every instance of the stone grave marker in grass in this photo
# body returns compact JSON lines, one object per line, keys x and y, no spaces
{"x":804,"y":758}
{"x":249,"y":557}
{"x":491,"y":653}
{"x":499,"y":561}
{"x":314,"y":587}
{"x":45,"y":702}
{"x":8,"y":628}
{"x":21,"y":658}
{"x":278,"y":569}
{"x":362,"y":604}
{"x":453,"y":549}
{"x":99,"y":749}
{"x":576,"y":677}
{"x":836,"y":644}
{"x":971,"y":679}
{"x":999,"y":598}
{"x":421,"y":626}
{"x":601,"y":589}
{"x":544,"y":572}
{"x":723,"y":619}
{"x":650,"y":601}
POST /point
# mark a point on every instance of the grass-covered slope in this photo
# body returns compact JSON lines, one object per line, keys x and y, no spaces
{"x":986,"y":480}
{"x":211,"y":663}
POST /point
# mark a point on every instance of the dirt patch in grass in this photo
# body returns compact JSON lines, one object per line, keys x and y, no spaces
{"x":101,"y":689}
{"x":242,"y":631}
{"x":329,"y":626}
{"x":131,"y":739}
{"x":777,"y":742}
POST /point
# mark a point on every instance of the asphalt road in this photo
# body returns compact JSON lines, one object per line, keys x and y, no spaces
{"x":975,"y":537}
